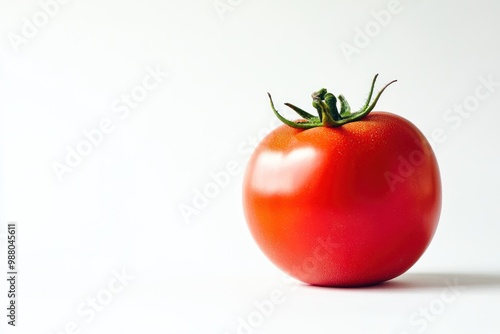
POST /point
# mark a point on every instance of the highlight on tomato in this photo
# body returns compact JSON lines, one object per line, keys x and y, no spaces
{"x":343,"y":198}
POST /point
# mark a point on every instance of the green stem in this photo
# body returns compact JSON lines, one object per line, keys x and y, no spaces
{"x":328,"y":114}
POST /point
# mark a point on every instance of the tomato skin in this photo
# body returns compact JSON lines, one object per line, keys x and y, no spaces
{"x":348,"y":206}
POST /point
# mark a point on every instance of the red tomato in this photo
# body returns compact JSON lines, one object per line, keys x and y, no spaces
{"x":349,"y":205}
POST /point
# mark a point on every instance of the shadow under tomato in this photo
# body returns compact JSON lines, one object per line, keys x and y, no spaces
{"x":416,"y":281}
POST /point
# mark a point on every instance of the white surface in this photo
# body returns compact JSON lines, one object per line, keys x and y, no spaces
{"x":118,"y":210}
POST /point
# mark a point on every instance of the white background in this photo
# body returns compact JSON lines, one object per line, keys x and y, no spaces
{"x":118,"y":211}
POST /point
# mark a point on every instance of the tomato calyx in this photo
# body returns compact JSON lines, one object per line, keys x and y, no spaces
{"x":328,"y":113}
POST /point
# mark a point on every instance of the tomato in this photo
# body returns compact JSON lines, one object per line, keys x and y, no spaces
{"x":343,"y":199}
